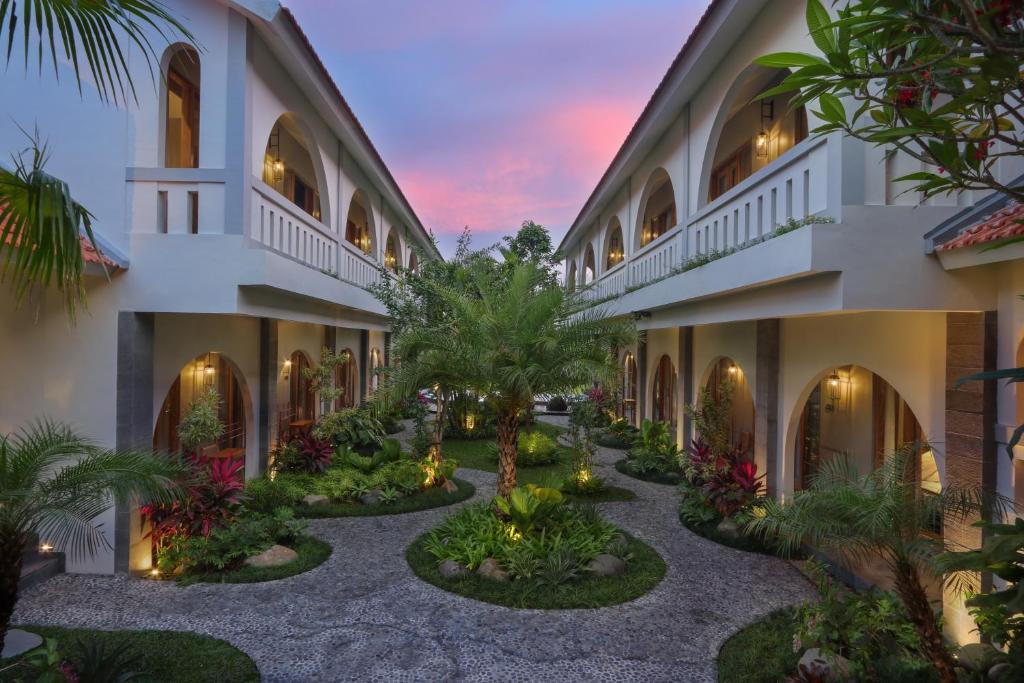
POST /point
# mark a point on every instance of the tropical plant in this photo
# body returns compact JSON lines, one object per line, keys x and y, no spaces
{"x":97,"y":661}
{"x":201,"y":422}
{"x":712,"y":417}
{"x":54,"y":484}
{"x":316,"y":455}
{"x":536,"y":448}
{"x":528,"y":508}
{"x":353,"y":427}
{"x":324,"y":378}
{"x":655,"y":452}
{"x":938,"y":81}
{"x":213,"y":492}
{"x":39,"y":218}
{"x":877,"y":515}
{"x":557,"y":404}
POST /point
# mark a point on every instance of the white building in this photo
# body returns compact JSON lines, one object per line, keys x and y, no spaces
{"x":844,"y":337}
{"x":242,"y":210}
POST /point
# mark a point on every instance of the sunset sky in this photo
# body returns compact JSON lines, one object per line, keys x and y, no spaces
{"x":489,"y":112}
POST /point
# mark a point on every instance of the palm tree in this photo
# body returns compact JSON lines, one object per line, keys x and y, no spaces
{"x":523,"y":335}
{"x":39,"y":219}
{"x":54,"y":484}
{"x":877,"y":515}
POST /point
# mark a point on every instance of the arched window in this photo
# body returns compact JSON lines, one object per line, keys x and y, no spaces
{"x":347,"y":379}
{"x":664,"y":391}
{"x":301,"y":401}
{"x":629,"y":385}
{"x":756,"y":133}
{"x":288,"y":166}
{"x":210,"y":370}
{"x":181,"y":113}
{"x":589,"y":266}
{"x":660,"y":209}
{"x":570,"y":278}
{"x":357,"y":226}
{"x":391,"y":260}
{"x":725,"y":372}
{"x":616,"y":249}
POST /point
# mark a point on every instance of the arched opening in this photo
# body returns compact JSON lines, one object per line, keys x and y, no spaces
{"x":346,"y":378}
{"x":208,"y":371}
{"x":754,"y":132}
{"x":181,"y":108}
{"x":854,"y":413}
{"x":357,"y":225}
{"x":570,"y":278}
{"x":659,"y":214}
{"x":725,"y":374}
{"x":301,"y":401}
{"x":589,"y":266}
{"x":663,"y":394}
{"x":615,"y":250}
{"x":627,"y":407}
{"x":414,"y":263}
{"x":376,"y":362}
{"x":391,"y":260}
{"x":288,"y":165}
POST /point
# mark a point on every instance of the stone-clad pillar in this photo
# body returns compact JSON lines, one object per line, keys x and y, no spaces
{"x":641,"y":375}
{"x":684,"y":384}
{"x":268,"y":353}
{"x":766,"y":402}
{"x":364,"y":362}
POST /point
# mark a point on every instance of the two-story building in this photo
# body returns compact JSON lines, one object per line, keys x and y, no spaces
{"x":242,"y":211}
{"x":843,"y":306}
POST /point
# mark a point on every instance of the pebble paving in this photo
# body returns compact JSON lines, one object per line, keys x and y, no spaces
{"x":363,"y":616}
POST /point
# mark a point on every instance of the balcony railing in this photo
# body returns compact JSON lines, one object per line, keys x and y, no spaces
{"x":282,"y":227}
{"x":795,"y":186}
{"x":356,"y":266}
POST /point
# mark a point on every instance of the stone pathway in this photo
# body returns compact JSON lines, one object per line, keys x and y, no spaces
{"x":363,"y":615}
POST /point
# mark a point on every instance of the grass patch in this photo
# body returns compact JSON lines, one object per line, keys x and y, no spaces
{"x":646,"y":570}
{"x":611,"y":494}
{"x":611,"y":441}
{"x":473,"y":454}
{"x":312,"y":553}
{"x":753,"y":544}
{"x":163,"y":655}
{"x":761,"y":652}
{"x":669,"y":479}
{"x":424,"y":500}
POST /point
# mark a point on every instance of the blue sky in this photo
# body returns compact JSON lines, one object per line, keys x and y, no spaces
{"x":492,"y":112}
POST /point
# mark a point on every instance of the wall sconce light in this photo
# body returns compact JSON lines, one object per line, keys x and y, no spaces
{"x":287,"y":368}
{"x":208,"y":369}
{"x":278,"y":170}
{"x":835,"y":383}
{"x":762,"y":140}
{"x":45,"y":548}
{"x":733,"y":369}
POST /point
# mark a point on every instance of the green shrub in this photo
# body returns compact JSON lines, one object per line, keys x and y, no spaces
{"x":557,"y":404}
{"x":536,"y":448}
{"x":266,"y":495}
{"x":354,"y":427}
{"x":201,"y":422}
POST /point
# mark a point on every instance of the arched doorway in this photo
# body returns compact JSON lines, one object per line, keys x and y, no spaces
{"x":589,"y":266}
{"x":391,"y":260}
{"x":627,"y":407}
{"x":659,"y":214}
{"x":289,"y":166}
{"x":347,"y":379}
{"x":663,"y":393}
{"x":208,"y":371}
{"x":615,"y":251}
{"x":724,"y":374}
{"x":181,"y":107}
{"x":753,"y":132}
{"x":854,"y":413}
{"x":358,"y":228}
{"x":301,"y":401}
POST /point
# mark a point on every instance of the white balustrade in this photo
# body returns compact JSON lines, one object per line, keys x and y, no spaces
{"x":282,"y":227}
{"x":657,"y":259}
{"x":357,"y":267}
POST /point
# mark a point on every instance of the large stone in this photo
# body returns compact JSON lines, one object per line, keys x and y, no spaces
{"x":832,"y":668}
{"x":315,"y":499}
{"x":728,"y":528}
{"x":274,"y":556}
{"x":1003,"y":672}
{"x":370,"y":497}
{"x":492,"y":569}
{"x":606,"y":565}
{"x":977,"y":656}
{"x":450,"y":569}
{"x":18,"y":642}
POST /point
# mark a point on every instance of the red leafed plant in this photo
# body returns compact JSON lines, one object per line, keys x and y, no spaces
{"x":732,"y":486}
{"x":745,"y":475}
{"x":213,"y":491}
{"x":316,"y":454}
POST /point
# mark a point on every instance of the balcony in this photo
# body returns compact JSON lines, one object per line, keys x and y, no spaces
{"x":795,"y":186}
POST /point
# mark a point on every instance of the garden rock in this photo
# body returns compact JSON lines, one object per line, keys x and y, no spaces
{"x":315,"y":499}
{"x":450,"y":569}
{"x":606,"y":565}
{"x":727,"y":527}
{"x":370,"y":497}
{"x":19,"y":642}
{"x":492,"y":569}
{"x":977,"y":656}
{"x":449,"y":486}
{"x":1001,"y":672}
{"x":832,"y":669}
{"x":275,"y":556}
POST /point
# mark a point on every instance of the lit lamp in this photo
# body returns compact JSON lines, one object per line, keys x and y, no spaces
{"x":761,"y":141}
{"x":208,"y":369}
{"x":835,"y":390}
{"x":733,"y":369}
{"x":287,"y":368}
{"x":278,"y":170}
{"x":45,"y":547}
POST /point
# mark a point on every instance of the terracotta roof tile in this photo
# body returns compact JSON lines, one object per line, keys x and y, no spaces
{"x":90,"y":255}
{"x":1005,"y":223}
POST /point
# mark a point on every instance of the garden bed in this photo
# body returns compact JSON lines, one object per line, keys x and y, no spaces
{"x":547,"y":556}
{"x":666,"y":478}
{"x":431,"y":498}
{"x":740,"y":541}
{"x":158,"y":655}
{"x":760,"y":653}
{"x":312,"y":552}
